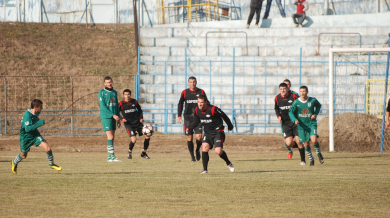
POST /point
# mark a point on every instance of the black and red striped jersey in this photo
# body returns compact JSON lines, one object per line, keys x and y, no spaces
{"x":131,"y":111}
{"x":283,"y":104}
{"x":388,"y":106}
{"x":211,"y":119}
{"x":190,"y":100}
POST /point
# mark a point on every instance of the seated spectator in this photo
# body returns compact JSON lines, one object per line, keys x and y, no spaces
{"x":256,"y":6}
{"x":302,"y":7}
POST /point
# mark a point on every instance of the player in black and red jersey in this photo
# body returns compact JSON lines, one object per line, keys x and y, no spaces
{"x":189,"y":97}
{"x":133,"y":118}
{"x":210,"y":117}
{"x":283,"y":102}
{"x":387,"y":115}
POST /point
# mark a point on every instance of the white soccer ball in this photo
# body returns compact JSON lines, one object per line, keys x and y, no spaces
{"x":147,"y":130}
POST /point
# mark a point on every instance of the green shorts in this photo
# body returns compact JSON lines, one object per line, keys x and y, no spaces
{"x":109,"y":124}
{"x":304,"y":134}
{"x":25,"y":144}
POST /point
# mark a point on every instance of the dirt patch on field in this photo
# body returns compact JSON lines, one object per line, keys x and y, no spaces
{"x":353,"y":132}
{"x":159,"y":143}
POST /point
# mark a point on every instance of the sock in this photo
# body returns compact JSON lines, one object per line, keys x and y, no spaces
{"x":308,"y":152}
{"x":302,"y":153}
{"x":198,"y":145}
{"x":143,"y":152}
{"x":190,"y":145}
{"x":288,"y":148}
{"x":146,"y":144}
{"x":295,"y":145}
{"x":317,"y":147}
{"x":131,"y":146}
{"x":18,"y":159}
{"x":225,"y":157}
{"x":205,"y":159}
{"x":50,"y":157}
{"x":110,"y":149}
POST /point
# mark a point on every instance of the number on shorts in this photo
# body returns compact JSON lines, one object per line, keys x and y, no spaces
{"x":204,"y":138}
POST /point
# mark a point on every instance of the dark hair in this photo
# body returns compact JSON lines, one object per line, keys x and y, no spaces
{"x":203,"y":96}
{"x":282,"y":85}
{"x":126,"y":90}
{"x":304,"y":87}
{"x":36,"y":103}
{"x":107,"y":78}
{"x":287,"y":80}
{"x":191,"y":77}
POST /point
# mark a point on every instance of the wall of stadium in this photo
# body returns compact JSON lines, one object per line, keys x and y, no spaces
{"x":121,"y":11}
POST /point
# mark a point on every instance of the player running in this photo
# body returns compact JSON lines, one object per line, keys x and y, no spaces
{"x":189,"y":97}
{"x":109,"y":114}
{"x":132,"y":119}
{"x":210,"y":117}
{"x":303,"y":114}
{"x":283,"y":102}
{"x":30,"y":135}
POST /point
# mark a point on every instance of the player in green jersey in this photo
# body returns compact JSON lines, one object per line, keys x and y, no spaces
{"x":29,"y":135}
{"x":303,"y":112}
{"x":109,"y":114}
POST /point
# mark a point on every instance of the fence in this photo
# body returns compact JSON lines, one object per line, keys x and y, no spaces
{"x":70,"y":103}
{"x":244,"y":87}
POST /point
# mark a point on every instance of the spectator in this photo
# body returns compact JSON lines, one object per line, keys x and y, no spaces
{"x":255,"y":7}
{"x":268,"y":8}
{"x":302,"y":7}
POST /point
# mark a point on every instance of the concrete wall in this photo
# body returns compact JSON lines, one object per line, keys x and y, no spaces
{"x":121,"y":11}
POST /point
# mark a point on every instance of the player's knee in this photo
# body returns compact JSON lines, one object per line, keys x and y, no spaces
{"x":189,"y":138}
{"x":199,"y":137}
{"x":23,"y":155}
{"x":205,"y":147}
{"x":218,"y":151}
{"x":133,"y":140}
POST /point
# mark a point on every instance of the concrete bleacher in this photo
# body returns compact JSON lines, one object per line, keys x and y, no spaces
{"x":277,"y":42}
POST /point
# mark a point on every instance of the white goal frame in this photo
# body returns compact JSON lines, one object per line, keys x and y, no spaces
{"x":332,"y":51}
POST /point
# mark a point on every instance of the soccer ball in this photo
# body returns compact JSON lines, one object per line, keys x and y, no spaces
{"x":147,"y":130}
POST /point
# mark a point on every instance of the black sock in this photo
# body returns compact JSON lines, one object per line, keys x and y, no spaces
{"x":302,"y":153}
{"x":190,"y":145}
{"x":225,"y":157}
{"x":205,"y":159}
{"x":295,"y":145}
{"x":146,"y":144}
{"x":198,"y":145}
{"x":131,"y":146}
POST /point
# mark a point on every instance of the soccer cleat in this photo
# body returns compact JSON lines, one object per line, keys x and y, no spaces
{"x":204,"y":172}
{"x":193,"y":159}
{"x":14,"y":167}
{"x":303,"y":163}
{"x":56,"y":167}
{"x":289,"y":155}
{"x":197,"y":155}
{"x":144,"y":155}
{"x":231,"y":167}
{"x":312,"y":163}
{"x":129,"y":155}
{"x":115,"y":160}
{"x":320,"y":158}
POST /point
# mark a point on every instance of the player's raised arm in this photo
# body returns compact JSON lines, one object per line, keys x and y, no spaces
{"x":180,"y":105}
{"x":28,"y":123}
{"x":292,"y":112}
{"x":104,"y":111}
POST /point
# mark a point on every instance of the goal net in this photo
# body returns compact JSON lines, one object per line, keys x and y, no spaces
{"x":358,"y":95}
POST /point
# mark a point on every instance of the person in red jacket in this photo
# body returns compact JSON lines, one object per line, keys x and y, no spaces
{"x":302,"y":7}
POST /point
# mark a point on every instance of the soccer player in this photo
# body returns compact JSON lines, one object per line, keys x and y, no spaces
{"x":303,"y":112}
{"x":109,"y":114}
{"x":189,"y":97}
{"x":210,"y":117}
{"x":283,"y":102}
{"x":387,"y":115}
{"x":132,"y":118}
{"x":30,"y":135}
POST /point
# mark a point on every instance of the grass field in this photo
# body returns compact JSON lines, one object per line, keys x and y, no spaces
{"x":169,"y":185}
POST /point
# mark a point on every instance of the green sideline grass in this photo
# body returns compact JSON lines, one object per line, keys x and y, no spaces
{"x":169,"y":185}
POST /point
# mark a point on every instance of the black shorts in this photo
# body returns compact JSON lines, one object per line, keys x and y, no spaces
{"x":133,"y":129}
{"x":289,"y":129}
{"x":197,"y":129}
{"x":217,"y":139}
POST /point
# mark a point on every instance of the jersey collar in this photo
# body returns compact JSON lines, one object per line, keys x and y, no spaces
{"x":206,"y":108}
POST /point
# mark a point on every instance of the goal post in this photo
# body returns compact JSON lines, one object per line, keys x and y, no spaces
{"x":358,"y":73}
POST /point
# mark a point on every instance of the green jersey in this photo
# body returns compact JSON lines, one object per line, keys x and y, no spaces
{"x":302,"y":111}
{"x":108,"y":101}
{"x":296,"y":93}
{"x":29,"y":129}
